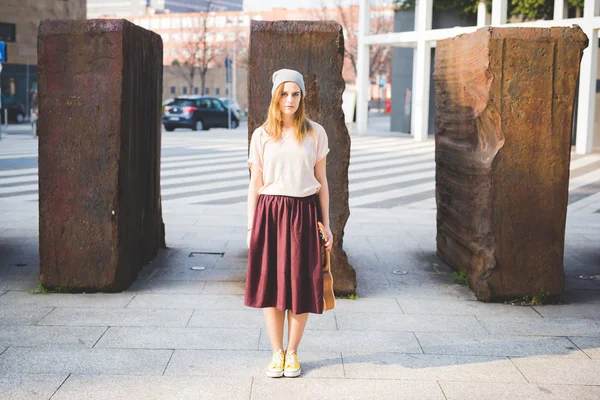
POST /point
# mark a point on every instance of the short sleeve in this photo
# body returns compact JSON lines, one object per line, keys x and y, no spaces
{"x":255,"y":155}
{"x":322,"y":143}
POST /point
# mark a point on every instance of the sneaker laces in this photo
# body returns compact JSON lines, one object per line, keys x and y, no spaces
{"x":277,"y":360}
{"x":291,"y":359}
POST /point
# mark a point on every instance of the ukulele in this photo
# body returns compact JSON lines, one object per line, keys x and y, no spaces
{"x":328,"y":296}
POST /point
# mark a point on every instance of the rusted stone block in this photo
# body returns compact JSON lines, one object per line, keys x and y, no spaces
{"x":315,"y":49}
{"x":504,"y":118}
{"x":100,"y":85}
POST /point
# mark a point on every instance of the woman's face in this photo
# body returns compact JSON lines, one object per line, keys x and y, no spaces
{"x":290,"y":98}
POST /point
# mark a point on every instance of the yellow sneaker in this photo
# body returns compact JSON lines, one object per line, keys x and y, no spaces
{"x":292,"y":365}
{"x":275,"y":368}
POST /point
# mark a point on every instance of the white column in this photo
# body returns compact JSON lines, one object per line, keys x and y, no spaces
{"x":481,"y":14}
{"x":362,"y":68}
{"x":560,"y":9}
{"x":587,"y":83}
{"x":421,"y":70}
{"x":499,"y":11}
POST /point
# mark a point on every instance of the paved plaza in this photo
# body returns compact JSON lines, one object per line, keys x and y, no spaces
{"x":179,"y":333}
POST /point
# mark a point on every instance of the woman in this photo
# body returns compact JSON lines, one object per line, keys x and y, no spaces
{"x":287,"y":195}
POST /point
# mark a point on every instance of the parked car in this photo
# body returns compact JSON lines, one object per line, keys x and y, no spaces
{"x":198,"y":113}
{"x":16,"y":110}
{"x":235,"y":106}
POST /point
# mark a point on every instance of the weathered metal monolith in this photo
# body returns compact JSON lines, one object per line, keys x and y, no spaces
{"x":504,"y":118}
{"x":100,"y":86}
{"x":315,"y":49}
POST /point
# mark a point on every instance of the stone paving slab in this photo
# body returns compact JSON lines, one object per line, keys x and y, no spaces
{"x":499,"y":391}
{"x":344,"y":389}
{"x":65,"y":360}
{"x":367,"y":341}
{"x":241,"y":363}
{"x":251,"y":318}
{"x":166,"y":287}
{"x":589,"y":345}
{"x":24,"y":335}
{"x":497,"y":345}
{"x":591,"y":311}
{"x":380,"y":305}
{"x":560,"y":371}
{"x":409,"y":323}
{"x":123,"y":387}
{"x":96,"y":300}
{"x":180,"y":338}
{"x":426,"y":367}
{"x":197,"y":301}
{"x":17,"y":315}
{"x":29,"y":386}
{"x":235,"y":288}
{"x":541,"y":326}
{"x":477,"y":308}
{"x":117,"y":317}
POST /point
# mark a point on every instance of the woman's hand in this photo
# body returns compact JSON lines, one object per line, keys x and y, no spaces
{"x":329,"y":243}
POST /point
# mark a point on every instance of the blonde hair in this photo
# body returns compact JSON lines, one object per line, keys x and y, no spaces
{"x":274,"y":123}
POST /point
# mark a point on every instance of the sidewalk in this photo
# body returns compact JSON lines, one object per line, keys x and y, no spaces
{"x":179,"y":333}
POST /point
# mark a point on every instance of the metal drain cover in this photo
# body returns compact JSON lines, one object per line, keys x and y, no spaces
{"x":587,"y":277}
{"x":399,"y":272}
{"x":199,"y":268}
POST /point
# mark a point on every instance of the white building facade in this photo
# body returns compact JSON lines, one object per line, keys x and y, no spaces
{"x":424,"y":37}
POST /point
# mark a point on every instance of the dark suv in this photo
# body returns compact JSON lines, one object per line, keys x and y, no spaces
{"x":16,"y":110}
{"x":198,"y":113}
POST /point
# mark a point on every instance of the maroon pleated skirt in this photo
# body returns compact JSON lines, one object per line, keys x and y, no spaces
{"x":284,"y":258}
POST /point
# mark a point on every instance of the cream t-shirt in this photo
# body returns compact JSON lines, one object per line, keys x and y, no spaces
{"x":288,"y":169}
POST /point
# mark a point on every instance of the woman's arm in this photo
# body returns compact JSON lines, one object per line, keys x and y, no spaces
{"x":321,"y":175}
{"x":256,"y":182}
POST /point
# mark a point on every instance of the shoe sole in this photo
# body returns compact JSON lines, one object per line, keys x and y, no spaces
{"x":274,"y":374}
{"x":292,"y":374}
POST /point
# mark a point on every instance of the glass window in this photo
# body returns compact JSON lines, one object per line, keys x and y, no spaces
{"x":203,"y":103}
{"x":210,"y":21}
{"x":183,"y":102}
{"x":154,"y":23}
{"x":217,"y":104}
{"x":220,"y":21}
{"x":172,"y":89}
{"x":227,"y":92}
{"x":176,"y":37}
{"x":165,"y":23}
{"x":8,"y":32}
{"x":243,"y":35}
{"x":195,"y":90}
{"x":210,"y":36}
{"x":175,"y":23}
{"x":220,"y":37}
{"x":231,"y":36}
{"x":184,"y":90}
{"x":186,"y":36}
{"x":217,"y":91}
{"x":206,"y":90}
{"x":165,"y":37}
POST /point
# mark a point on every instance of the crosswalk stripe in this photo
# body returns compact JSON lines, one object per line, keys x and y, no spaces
{"x":390,"y":194}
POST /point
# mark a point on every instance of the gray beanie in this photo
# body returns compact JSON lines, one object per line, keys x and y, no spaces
{"x":287,"y":75}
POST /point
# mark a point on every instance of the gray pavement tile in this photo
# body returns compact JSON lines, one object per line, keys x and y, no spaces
{"x":375,"y":305}
{"x":366,"y":341}
{"x":29,"y":386}
{"x":180,"y":338}
{"x":427,"y":367}
{"x":197,"y":301}
{"x":166,"y":286}
{"x":236,"y":288}
{"x":124,"y":387}
{"x":506,"y":391}
{"x":250,"y":363}
{"x":344,"y":389}
{"x":99,"y":300}
{"x":589,"y":345}
{"x":473,"y":307}
{"x":65,"y":360}
{"x":18,"y":284}
{"x":577,"y":310}
{"x":560,"y":371}
{"x":117,"y":317}
{"x":251,"y":318}
{"x":541,"y":326}
{"x":497,"y":345}
{"x":187,"y":274}
{"x":18,"y":315}
{"x":408,"y":323}
{"x":28,"y":335}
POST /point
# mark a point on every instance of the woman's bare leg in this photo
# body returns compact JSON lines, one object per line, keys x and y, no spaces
{"x":296,"y":325}
{"x":274,"y":320}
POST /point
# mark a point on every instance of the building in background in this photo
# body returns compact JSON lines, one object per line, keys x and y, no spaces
{"x":190,"y":6}
{"x":129,"y":8}
{"x":19,"y":22}
{"x":184,"y":35}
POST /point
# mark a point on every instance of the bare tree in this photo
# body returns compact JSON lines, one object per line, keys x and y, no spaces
{"x":197,"y":54}
{"x":381,"y":57}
